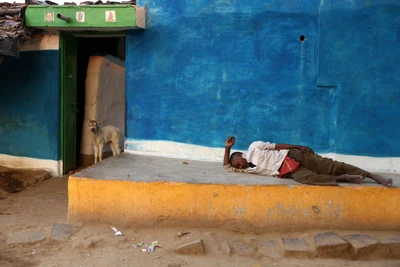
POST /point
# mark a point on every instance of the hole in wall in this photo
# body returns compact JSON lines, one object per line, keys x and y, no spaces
{"x":302,"y":38}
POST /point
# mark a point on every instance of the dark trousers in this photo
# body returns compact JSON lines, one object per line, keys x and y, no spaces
{"x":317,"y":170}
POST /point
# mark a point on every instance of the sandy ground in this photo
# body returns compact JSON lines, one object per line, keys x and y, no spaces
{"x":41,"y":205}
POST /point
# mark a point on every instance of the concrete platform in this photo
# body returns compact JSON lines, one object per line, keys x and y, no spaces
{"x":147,"y":191}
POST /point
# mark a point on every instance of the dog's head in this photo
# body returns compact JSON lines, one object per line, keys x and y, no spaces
{"x":93,"y":125}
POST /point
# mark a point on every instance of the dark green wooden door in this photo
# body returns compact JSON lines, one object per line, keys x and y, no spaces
{"x":68,"y":101}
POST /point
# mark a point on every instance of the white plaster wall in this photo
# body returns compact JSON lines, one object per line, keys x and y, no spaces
{"x":54,"y":166}
{"x":211,"y":154}
{"x":104,"y":98}
{"x":140,"y":17}
{"x":42,"y":42}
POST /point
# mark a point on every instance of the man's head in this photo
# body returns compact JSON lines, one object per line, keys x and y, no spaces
{"x":238,"y":161}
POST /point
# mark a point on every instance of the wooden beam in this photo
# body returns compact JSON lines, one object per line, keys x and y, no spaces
{"x":10,"y":12}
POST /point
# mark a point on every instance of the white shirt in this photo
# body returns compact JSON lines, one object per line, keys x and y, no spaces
{"x":264,"y":156}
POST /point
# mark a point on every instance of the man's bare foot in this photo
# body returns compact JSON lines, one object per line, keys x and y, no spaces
{"x":384,"y":181}
{"x":350,"y":178}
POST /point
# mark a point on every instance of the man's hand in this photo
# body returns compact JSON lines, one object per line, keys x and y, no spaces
{"x":230,"y":141}
{"x":305,"y":149}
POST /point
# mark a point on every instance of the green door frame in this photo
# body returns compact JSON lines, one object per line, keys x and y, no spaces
{"x":68,"y":50}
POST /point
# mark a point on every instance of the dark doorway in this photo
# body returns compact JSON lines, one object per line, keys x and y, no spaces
{"x":87,"y":47}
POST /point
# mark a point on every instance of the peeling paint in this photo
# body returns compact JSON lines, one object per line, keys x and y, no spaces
{"x":240,"y":211}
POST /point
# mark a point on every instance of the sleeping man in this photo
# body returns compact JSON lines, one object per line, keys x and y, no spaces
{"x":293,"y":161}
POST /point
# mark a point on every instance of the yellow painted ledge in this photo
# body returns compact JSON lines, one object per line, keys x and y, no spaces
{"x":274,"y":207}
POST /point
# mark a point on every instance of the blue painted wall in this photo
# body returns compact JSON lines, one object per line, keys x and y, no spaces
{"x":30,"y":105}
{"x":359,"y":53}
{"x":203,"y":70}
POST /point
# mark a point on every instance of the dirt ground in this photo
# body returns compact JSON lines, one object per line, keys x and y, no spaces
{"x":16,"y":180}
{"x":40,"y":205}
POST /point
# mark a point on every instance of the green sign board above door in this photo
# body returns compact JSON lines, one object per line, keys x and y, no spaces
{"x":83,"y":18}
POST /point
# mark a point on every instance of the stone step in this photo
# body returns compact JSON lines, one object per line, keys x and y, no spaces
{"x":350,"y":245}
{"x":329,"y":244}
{"x":200,"y":194}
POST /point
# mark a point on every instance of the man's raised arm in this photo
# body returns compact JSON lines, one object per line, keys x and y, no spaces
{"x":230,"y":141}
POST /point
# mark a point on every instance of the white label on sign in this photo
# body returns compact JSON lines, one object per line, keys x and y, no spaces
{"x":49,"y":17}
{"x":110,"y":16}
{"x":80,"y":16}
